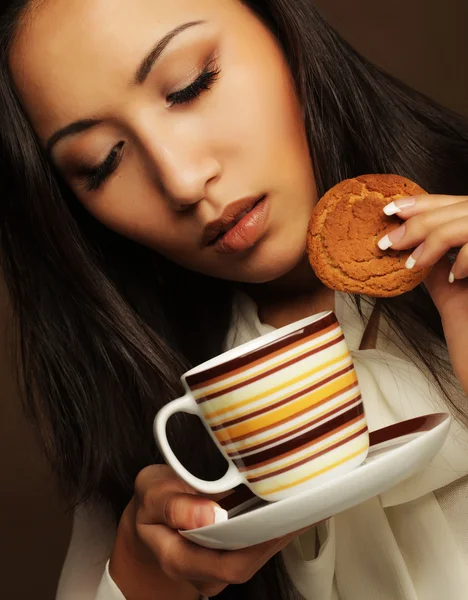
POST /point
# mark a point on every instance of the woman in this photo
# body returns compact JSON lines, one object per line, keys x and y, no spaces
{"x":127,"y":129}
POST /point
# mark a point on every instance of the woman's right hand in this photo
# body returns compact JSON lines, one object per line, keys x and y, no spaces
{"x":150,"y":555}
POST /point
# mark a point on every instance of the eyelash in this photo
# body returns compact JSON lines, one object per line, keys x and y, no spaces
{"x":95,"y":177}
{"x":203,"y":83}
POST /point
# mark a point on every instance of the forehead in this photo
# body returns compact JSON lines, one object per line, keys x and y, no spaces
{"x":70,"y":52}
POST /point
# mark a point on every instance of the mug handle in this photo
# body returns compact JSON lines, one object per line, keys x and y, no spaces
{"x":187,"y":404}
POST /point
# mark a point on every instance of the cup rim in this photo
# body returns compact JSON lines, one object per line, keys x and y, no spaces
{"x":230,"y":356}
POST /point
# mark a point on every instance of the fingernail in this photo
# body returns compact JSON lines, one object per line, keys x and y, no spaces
{"x":398,"y":205}
{"x":414,"y":257}
{"x":221,"y":515}
{"x":205,"y":515}
{"x":388,"y":240}
{"x":209,"y":514}
{"x":451,"y":277}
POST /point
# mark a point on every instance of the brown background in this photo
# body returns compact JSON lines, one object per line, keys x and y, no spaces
{"x":421,"y":41}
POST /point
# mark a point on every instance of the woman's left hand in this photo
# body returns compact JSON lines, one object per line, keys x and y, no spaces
{"x":433,"y":225}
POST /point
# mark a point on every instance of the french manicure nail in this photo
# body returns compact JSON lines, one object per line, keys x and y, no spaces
{"x":205,"y":515}
{"x":221,"y":515}
{"x":388,"y":240}
{"x":384,"y":243}
{"x":397,"y":205}
{"x":451,"y":277}
{"x":411,"y":261}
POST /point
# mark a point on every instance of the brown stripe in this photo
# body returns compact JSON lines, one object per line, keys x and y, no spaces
{"x":417,"y":424}
{"x":309,"y":458}
{"x":284,"y":365}
{"x":260,"y":353}
{"x":313,"y":442}
{"x":239,"y":454}
{"x":301,"y":440}
{"x":271,"y":407}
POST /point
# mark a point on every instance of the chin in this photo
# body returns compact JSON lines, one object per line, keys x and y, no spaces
{"x":270,"y":266}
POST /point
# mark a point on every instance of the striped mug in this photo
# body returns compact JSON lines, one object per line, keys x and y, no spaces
{"x":284,"y":409}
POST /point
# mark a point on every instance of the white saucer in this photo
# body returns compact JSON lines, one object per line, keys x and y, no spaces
{"x":396,"y":452}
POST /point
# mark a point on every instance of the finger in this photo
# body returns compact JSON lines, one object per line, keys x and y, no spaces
{"x":162,"y":498}
{"x":460,"y":266}
{"x":240,"y":566}
{"x":414,"y":231}
{"x":210,"y":571}
{"x":414,"y":205}
{"x":450,"y":299}
{"x":449,"y":235}
{"x":165,"y":506}
{"x":231,"y":567}
{"x":181,"y":559}
{"x":243,"y":564}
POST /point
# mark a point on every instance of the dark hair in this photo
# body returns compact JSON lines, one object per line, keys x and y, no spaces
{"x":104,"y":328}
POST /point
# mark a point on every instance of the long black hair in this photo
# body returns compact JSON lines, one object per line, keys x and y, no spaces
{"x":102,"y":327}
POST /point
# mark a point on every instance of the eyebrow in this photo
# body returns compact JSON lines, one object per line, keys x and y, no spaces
{"x":140,"y":77}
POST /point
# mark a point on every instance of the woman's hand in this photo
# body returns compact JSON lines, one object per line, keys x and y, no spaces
{"x":433,"y":225}
{"x":151,"y":559}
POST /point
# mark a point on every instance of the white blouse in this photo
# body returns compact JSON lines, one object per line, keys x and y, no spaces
{"x":410,"y":543}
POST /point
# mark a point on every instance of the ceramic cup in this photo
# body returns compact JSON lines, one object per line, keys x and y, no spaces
{"x":284,"y":409}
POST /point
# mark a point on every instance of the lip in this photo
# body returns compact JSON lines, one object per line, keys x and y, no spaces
{"x":246,"y":232}
{"x":227,"y":218}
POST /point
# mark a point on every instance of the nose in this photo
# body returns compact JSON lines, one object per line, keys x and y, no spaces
{"x":184,"y":172}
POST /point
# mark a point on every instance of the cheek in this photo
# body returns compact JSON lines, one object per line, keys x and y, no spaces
{"x":261,"y":113}
{"x":134,"y":216}
{"x":126,"y":217}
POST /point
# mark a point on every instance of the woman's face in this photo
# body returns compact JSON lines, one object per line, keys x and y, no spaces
{"x":165,"y":117}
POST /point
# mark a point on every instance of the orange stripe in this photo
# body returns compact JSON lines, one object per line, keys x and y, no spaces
{"x":271,"y":418}
{"x":241,"y":449}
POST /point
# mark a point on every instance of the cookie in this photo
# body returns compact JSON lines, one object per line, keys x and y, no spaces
{"x":343,"y":232}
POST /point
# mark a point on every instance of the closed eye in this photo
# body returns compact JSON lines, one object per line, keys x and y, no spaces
{"x":203,"y":83}
{"x":95,"y":176}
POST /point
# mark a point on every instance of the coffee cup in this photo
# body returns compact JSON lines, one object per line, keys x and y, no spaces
{"x":284,"y":409}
